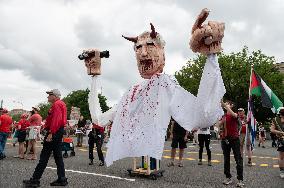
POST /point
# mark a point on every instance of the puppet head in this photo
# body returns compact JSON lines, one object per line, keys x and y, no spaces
{"x":149,"y":49}
{"x":93,"y":61}
{"x":207,"y":38}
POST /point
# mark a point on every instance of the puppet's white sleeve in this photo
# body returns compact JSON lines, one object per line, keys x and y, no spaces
{"x":204,"y":110}
{"x":211,"y":91}
{"x":93,"y":100}
{"x":182,"y":108}
{"x":107,"y":117}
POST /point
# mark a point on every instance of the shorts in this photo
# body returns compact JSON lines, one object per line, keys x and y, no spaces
{"x":178,"y":141}
{"x":22,"y":136}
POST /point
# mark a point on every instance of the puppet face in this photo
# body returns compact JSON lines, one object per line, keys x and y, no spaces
{"x":93,"y":63}
{"x":149,"y":55}
{"x":206,"y":38}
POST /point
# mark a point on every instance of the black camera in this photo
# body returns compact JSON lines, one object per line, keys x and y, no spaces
{"x":85,"y":55}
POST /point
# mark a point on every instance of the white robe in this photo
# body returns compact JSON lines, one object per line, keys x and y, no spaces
{"x":143,"y":114}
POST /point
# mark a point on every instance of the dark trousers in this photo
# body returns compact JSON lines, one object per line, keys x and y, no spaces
{"x":54,"y":146}
{"x":99,"y":143}
{"x":233,"y":144}
{"x":204,"y":138}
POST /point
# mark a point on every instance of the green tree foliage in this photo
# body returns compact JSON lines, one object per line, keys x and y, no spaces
{"x":79,"y":99}
{"x":103,"y":103}
{"x":16,"y":117}
{"x":43,"y":109}
{"x":235,"y":69}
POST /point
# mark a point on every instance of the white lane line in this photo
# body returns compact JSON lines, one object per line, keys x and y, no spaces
{"x":94,"y":174}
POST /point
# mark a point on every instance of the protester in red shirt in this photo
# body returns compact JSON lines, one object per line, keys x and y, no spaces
{"x":22,"y":133}
{"x":230,"y":140}
{"x":5,"y":128}
{"x":34,"y":129}
{"x":55,"y":122}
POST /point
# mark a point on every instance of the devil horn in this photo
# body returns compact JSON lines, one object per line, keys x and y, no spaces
{"x":132,"y":39}
{"x":153,"y":33}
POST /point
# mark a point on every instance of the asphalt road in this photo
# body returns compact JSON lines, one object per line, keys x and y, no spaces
{"x":264,"y":173}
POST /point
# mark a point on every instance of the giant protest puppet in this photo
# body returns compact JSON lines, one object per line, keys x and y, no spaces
{"x":141,"y":117}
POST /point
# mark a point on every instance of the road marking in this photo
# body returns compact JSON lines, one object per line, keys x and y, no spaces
{"x":263,"y":165}
{"x":215,"y":161}
{"x":94,"y":174}
{"x":190,"y":159}
{"x":275,"y":166}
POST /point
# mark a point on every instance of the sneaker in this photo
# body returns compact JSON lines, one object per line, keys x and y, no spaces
{"x":249,"y":163}
{"x":199,"y":162}
{"x":227,"y":181}
{"x":180,"y":164}
{"x":101,"y":163}
{"x":263,"y":146}
{"x":209,"y":163}
{"x":59,"y":182}
{"x":282,"y":175}
{"x":91,"y":162}
{"x":240,"y":184}
{"x":171,"y":164}
{"x":32,"y":182}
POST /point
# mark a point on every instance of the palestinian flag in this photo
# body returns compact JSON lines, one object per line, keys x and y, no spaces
{"x":259,"y":88}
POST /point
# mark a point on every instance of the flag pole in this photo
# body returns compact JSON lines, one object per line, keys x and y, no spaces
{"x":248,"y":115}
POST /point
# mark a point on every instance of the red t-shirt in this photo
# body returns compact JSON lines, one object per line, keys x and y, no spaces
{"x":35,"y":120}
{"x":57,"y":116}
{"x":5,"y":123}
{"x":23,"y":124}
{"x":101,"y":129}
{"x":244,"y":125}
{"x":231,"y":126}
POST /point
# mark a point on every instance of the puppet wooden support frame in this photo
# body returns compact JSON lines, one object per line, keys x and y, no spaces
{"x":146,"y":172}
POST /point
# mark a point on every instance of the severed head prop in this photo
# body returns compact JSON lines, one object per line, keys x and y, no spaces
{"x":149,"y":49}
{"x":92,"y":58}
{"x":206,"y":38}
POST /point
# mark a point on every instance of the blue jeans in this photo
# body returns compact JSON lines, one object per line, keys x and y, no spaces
{"x":3,"y":140}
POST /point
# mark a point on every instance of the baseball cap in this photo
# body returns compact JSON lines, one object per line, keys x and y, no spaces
{"x":241,"y":109}
{"x":35,"y":108}
{"x":54,"y":92}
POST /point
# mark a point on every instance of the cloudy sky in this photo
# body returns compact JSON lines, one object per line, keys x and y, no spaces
{"x":41,"y":39}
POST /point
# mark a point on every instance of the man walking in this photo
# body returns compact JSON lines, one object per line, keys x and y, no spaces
{"x":55,"y":122}
{"x":230,"y":140}
{"x":5,"y":128}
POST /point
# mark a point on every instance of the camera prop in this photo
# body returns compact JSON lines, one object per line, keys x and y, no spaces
{"x":85,"y":55}
{"x":92,"y":59}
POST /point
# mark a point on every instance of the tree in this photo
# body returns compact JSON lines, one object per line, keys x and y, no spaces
{"x":103,"y":104}
{"x":43,"y":109}
{"x":16,"y":117}
{"x":235,"y":69}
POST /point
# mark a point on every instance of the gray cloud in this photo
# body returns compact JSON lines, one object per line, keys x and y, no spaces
{"x":44,"y":46}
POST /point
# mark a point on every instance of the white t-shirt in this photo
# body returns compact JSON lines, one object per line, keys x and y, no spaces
{"x":204,"y":131}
